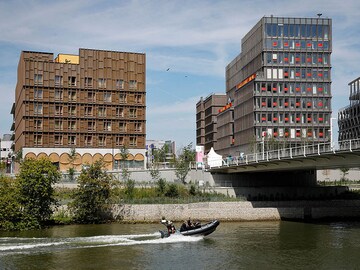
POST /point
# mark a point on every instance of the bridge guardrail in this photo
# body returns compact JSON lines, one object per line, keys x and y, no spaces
{"x":289,"y":153}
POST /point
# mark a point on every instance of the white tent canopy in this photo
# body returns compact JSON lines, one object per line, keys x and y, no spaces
{"x":213,"y":159}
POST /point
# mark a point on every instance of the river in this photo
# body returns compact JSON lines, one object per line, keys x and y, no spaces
{"x":235,"y":245}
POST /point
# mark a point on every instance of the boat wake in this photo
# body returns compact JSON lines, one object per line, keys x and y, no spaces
{"x":14,"y":245}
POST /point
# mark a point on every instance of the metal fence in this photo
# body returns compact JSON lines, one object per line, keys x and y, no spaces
{"x":291,"y":152}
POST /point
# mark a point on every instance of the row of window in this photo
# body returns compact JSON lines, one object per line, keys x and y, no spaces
{"x":298,"y":73}
{"x":91,"y":125}
{"x":297,"y":30}
{"x":88,"y":82}
{"x":72,"y":110}
{"x":292,"y":118}
{"x":88,"y":140}
{"x":296,"y":44}
{"x":297,"y":58}
{"x":291,"y":133}
{"x":292,"y":103}
{"x":91,"y":96}
{"x":297,"y":88}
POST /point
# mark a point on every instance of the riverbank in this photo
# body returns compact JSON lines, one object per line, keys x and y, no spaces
{"x":240,"y":211}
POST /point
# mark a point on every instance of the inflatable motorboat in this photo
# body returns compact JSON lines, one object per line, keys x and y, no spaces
{"x":196,"y":230}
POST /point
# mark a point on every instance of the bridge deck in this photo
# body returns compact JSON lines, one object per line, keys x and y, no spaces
{"x":307,"y":157}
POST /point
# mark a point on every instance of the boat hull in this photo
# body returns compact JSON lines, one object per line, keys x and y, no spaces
{"x":205,"y":229}
{"x":202,"y":230}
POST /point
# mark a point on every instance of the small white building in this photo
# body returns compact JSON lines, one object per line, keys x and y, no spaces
{"x":6,"y":152}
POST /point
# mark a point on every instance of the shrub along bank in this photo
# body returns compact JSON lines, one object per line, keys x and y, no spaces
{"x":29,"y":200}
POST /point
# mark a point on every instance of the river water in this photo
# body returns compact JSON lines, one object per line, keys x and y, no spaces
{"x":237,"y":245}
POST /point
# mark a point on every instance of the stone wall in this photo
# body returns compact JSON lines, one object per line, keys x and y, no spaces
{"x":239,"y":211}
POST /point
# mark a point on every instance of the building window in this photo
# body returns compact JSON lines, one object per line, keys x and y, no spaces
{"x":58,"y":80}
{"x":38,"y":79}
{"x":138,"y":99}
{"x":88,"y":111}
{"x":58,"y":94}
{"x":38,"y":109}
{"x":102,"y":111}
{"x":58,"y":110}
{"x":122,"y":127}
{"x":102,"y":140}
{"x":107,"y":126}
{"x":91,"y":126}
{"x":88,"y":140}
{"x":122,"y":98}
{"x":91,"y":96}
{"x":72,"y":125}
{"x":58,"y":125}
{"x":88,"y":82}
{"x":119,"y":141}
{"x":102,"y":83}
{"x":132,"y":113}
{"x":133,"y":141}
{"x":120,"y":84}
{"x":38,"y":94}
{"x":72,"y":81}
{"x":72,"y":95}
{"x":119,"y":112}
{"x":38,"y":124}
{"x":132,"y":84}
{"x":107,"y":97}
{"x":138,"y":127}
{"x":37,"y":139}
{"x":72,"y":110}
{"x":72,"y":140}
{"x":58,"y":140}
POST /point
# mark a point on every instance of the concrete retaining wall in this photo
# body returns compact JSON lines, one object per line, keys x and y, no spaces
{"x":240,"y":211}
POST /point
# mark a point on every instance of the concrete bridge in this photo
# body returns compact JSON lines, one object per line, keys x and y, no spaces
{"x":287,"y":172}
{"x":307,"y":157}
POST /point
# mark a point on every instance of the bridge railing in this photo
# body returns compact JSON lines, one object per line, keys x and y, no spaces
{"x":291,"y":152}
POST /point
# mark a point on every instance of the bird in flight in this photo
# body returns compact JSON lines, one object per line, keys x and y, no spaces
{"x":168,"y":69}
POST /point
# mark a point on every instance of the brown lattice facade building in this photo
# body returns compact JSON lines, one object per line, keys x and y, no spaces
{"x":93,"y":102}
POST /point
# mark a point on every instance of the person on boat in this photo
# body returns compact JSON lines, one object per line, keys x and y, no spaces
{"x":169,"y":225}
{"x":183,"y":226}
{"x":190,"y":225}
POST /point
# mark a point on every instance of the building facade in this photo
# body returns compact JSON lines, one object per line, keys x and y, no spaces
{"x":6,"y":154}
{"x":206,"y":119}
{"x":154,"y":146}
{"x":349,"y":117}
{"x":225,"y":130}
{"x":94,"y":102}
{"x":280,"y":84}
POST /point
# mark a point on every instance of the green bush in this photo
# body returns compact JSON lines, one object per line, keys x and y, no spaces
{"x":172,"y":191}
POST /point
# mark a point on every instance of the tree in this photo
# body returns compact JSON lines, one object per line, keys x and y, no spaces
{"x":160,"y":182}
{"x":10,"y":208}
{"x":344,"y":171}
{"x":72,"y":157}
{"x":92,"y":199}
{"x":36,"y":194}
{"x":124,"y":154}
{"x":182,"y":163}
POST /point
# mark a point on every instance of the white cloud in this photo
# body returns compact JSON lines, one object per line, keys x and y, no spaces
{"x":192,"y":37}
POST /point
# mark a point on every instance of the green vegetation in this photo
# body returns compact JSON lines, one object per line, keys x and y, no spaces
{"x":92,"y":198}
{"x":26,"y":202}
{"x":182,"y":162}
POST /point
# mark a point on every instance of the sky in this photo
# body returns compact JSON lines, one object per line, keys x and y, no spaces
{"x":187,"y":44}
